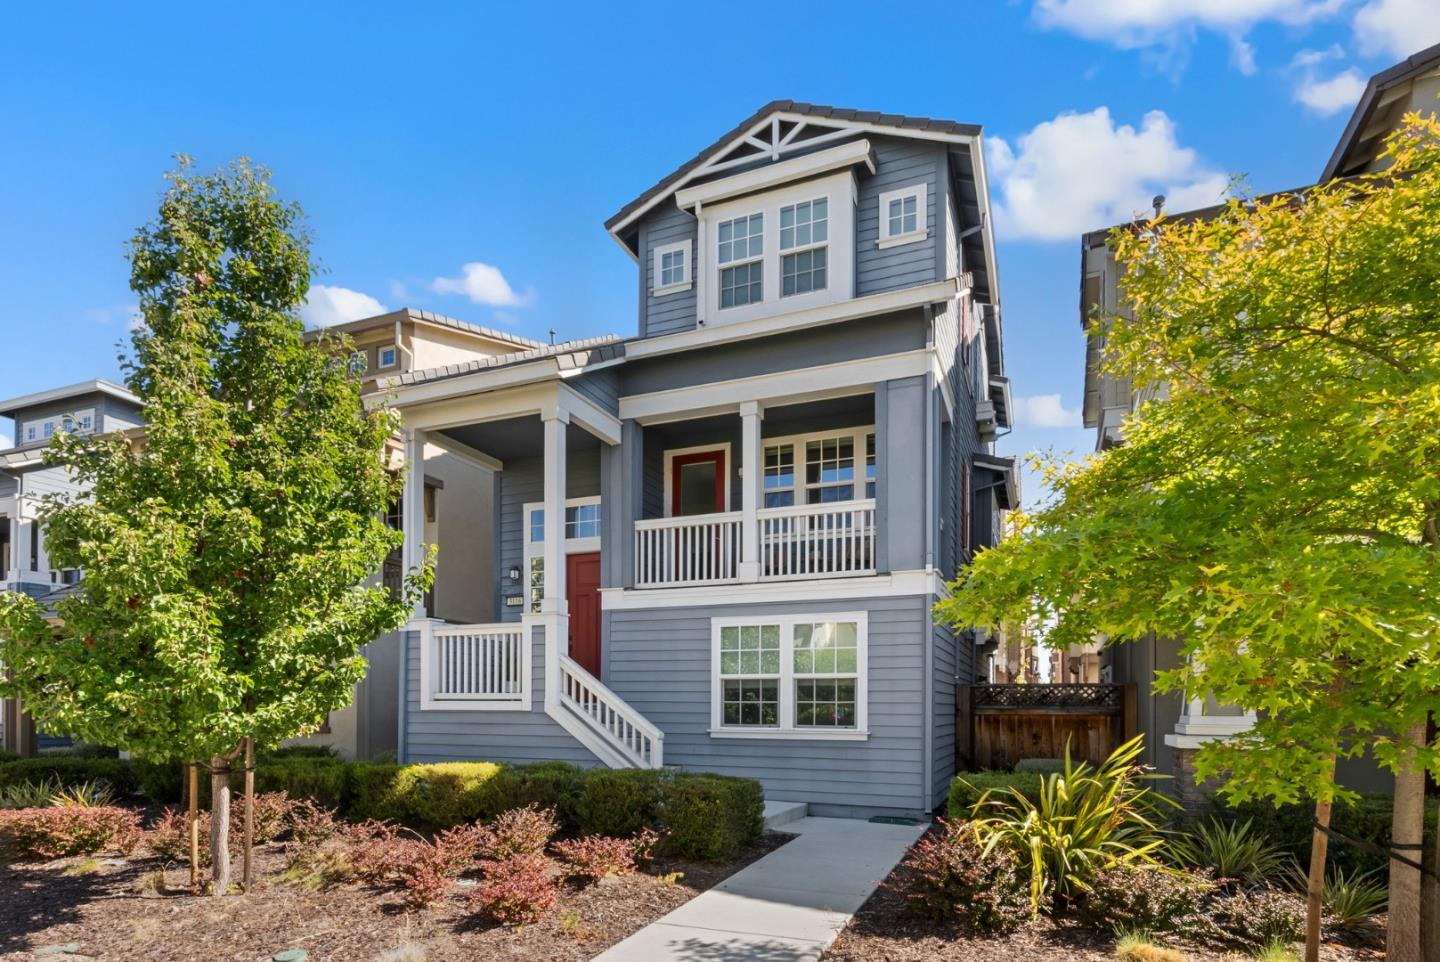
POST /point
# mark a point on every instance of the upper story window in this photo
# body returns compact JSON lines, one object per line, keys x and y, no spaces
{"x":31,"y":432}
{"x":902,"y":216}
{"x":672,"y":268}
{"x":386,"y":357}
{"x":827,"y":467}
{"x":786,"y":250}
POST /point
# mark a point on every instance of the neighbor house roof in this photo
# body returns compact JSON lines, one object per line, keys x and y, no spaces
{"x":866,"y":118}
{"x":567,"y":355}
{"x":1357,"y":132}
{"x":428,"y":317}
{"x":95,"y":386}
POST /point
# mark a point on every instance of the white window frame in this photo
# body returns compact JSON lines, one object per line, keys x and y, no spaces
{"x":658,"y":289}
{"x":797,"y":444}
{"x":535,"y":550}
{"x":380,"y":357}
{"x":672,"y":453}
{"x":787,"y":728}
{"x":920,"y":192}
{"x":810,"y":247}
{"x":32,"y":432}
{"x":839,"y":193}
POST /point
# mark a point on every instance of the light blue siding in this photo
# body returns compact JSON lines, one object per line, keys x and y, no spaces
{"x":668,"y":313}
{"x":523,"y":482}
{"x":898,"y":163}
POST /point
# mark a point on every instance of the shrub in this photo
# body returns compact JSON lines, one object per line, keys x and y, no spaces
{"x":950,"y":876}
{"x":448,"y":793}
{"x":1144,"y":898}
{"x":1350,"y":900}
{"x":517,"y":891}
{"x":169,"y":837}
{"x":311,"y":823}
{"x":57,"y":832}
{"x":303,"y":751}
{"x":96,"y":794}
{"x":162,"y":782}
{"x":595,"y":857}
{"x":619,"y":803}
{"x":372,"y":791}
{"x":1289,"y":828}
{"x":70,"y":770}
{"x":28,"y":794}
{"x":711,"y":817}
{"x":520,"y":831}
{"x":324,"y":780}
{"x":553,"y":785}
{"x":1259,"y":917}
{"x":431,"y":867}
{"x":967,"y":790}
{"x":1233,"y":852}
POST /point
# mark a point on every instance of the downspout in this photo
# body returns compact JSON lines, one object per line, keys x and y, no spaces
{"x":927,"y":675}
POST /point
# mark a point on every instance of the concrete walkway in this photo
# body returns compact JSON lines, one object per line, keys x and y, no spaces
{"x":787,"y":907}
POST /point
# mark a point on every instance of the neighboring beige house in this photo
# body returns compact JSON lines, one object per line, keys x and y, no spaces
{"x":459,"y":505}
{"x":1179,"y":726}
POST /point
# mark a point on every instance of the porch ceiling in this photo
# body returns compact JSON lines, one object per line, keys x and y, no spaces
{"x":517,"y":438}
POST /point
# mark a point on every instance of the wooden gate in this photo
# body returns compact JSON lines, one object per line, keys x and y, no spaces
{"x":998,"y":725}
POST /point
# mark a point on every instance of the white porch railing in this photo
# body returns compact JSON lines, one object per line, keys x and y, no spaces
{"x":623,"y":729}
{"x":817,"y":540}
{"x":475,"y":666}
{"x":695,"y":550}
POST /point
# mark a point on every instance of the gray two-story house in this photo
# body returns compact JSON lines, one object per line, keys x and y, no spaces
{"x":718,"y":541}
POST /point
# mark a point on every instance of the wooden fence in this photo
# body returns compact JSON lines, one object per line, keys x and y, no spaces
{"x":998,"y":725}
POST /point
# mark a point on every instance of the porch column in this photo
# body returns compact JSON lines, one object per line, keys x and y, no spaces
{"x":412,"y":508}
{"x":556,"y":422}
{"x":752,"y":471}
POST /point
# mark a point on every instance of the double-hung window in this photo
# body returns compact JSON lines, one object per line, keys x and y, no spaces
{"x":800,"y":676}
{"x":803,"y":251}
{"x":741,"y":256}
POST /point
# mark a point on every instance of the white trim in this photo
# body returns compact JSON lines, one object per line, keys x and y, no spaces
{"x":922,"y":216}
{"x":521,"y":700}
{"x":787,"y":728}
{"x":841,"y":379}
{"x":670,"y":454}
{"x":857,"y":435}
{"x":926,"y":582}
{"x":589,"y":415}
{"x":658,"y":289}
{"x":849,"y":309}
{"x":839,"y":193}
{"x":101,"y":386}
{"x":777,"y":174}
{"x":536,"y":549}
{"x":465,"y":452}
{"x":394,"y":350}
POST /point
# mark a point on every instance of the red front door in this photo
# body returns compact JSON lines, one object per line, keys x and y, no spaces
{"x":582,"y":588}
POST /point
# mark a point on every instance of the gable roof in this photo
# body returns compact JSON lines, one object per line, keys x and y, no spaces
{"x":1371,"y":101}
{"x":426,"y":317}
{"x":94,"y":386}
{"x":568,"y":356}
{"x":838,"y":117}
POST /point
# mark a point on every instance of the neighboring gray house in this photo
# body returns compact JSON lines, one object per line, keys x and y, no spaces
{"x":718,"y":542}
{"x":1178,"y":726}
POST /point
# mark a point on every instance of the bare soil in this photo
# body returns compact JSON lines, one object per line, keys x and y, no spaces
{"x":139,"y":909}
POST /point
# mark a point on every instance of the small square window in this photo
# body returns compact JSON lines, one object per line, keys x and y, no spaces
{"x":672,"y":268}
{"x":387,"y":357}
{"x":582,"y":521}
{"x":903,"y":216}
{"x":358,"y":362}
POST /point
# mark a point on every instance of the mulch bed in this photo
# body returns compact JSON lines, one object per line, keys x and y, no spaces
{"x":882,"y":931}
{"x":113,"y":912}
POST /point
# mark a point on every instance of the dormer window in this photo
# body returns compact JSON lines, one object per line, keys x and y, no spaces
{"x":902,"y":216}
{"x":802,"y":234}
{"x":740,"y":255}
{"x":386,"y":357}
{"x":672,"y":269}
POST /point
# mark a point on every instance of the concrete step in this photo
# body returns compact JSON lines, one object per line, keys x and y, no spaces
{"x":778,"y":814}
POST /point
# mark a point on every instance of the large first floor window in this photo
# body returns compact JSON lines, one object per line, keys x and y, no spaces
{"x":802,"y":676}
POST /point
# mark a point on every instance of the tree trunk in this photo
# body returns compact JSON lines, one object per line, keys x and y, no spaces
{"x":249,"y":811}
{"x":1407,"y":828}
{"x":193,"y":790}
{"x":220,"y":824}
{"x":1315,"y":891}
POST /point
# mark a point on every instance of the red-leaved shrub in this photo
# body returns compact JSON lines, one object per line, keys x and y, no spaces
{"x":597,"y":857}
{"x":949,"y":876}
{"x":57,"y":832}
{"x":274,"y":813}
{"x":519,"y":890}
{"x":519,"y":831}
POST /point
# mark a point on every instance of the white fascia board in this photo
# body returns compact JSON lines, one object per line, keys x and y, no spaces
{"x":522,"y":401}
{"x":464,"y":451}
{"x":840,"y":379}
{"x":870,"y":305}
{"x":589,"y":415}
{"x":482,"y":380}
{"x":776,"y":174}
{"x":987,"y":223}
{"x":96,"y":386}
{"x":925,"y":582}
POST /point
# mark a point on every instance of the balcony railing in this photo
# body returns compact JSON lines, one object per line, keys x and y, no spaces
{"x":817,"y":540}
{"x":696,"y":550}
{"x":475,"y":664}
{"x":805,"y":541}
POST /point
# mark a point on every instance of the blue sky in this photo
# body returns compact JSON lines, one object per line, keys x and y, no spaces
{"x":424,"y":138}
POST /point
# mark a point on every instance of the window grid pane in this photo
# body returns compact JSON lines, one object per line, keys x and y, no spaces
{"x":741,"y":238}
{"x":742,"y":285}
{"x":672,"y":268}
{"x":870,"y":466}
{"x":830,"y":469}
{"x":803,"y":272}
{"x":750,"y":675}
{"x":582,"y":521}
{"x":804,"y":224}
{"x":903,"y":215}
{"x":826,"y":664}
{"x":779,"y":475}
{"x":537,"y":582}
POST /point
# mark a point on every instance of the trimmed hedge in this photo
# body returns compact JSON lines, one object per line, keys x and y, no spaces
{"x":711,"y":817}
{"x":555,"y":785}
{"x":618,"y":803}
{"x":446,"y":794}
{"x":71,"y":770}
{"x":966,"y":789}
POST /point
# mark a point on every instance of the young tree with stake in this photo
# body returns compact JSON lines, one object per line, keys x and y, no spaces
{"x":1278,"y":509}
{"x":229,"y":552}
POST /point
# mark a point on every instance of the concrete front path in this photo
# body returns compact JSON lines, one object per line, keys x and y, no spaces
{"x":787,"y":907}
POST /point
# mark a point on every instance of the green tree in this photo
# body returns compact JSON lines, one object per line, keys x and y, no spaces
{"x":229,"y":551}
{"x":1277,"y":508}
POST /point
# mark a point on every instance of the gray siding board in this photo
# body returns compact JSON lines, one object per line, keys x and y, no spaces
{"x":898,"y":163}
{"x":601,"y":387}
{"x":668,"y":313}
{"x":659,"y":662}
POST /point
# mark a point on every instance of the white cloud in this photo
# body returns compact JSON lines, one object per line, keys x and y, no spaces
{"x":1044,"y":411}
{"x":5,"y":441}
{"x":1325,"y":95}
{"x":483,"y":284}
{"x":1397,"y":28}
{"x":1169,"y":27}
{"x":399,"y":293}
{"x":326,"y":306}
{"x":1082,"y":172}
